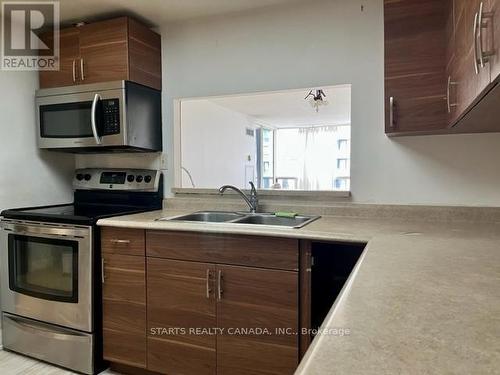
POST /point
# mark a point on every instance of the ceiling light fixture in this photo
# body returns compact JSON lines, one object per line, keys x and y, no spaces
{"x":316,"y":99}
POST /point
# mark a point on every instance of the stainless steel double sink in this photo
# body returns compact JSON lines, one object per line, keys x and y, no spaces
{"x":268,"y":219}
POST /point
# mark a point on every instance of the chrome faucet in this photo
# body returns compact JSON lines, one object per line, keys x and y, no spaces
{"x":252,"y":200}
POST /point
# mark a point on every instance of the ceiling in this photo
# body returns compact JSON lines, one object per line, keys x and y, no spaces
{"x":286,"y":109}
{"x":157,"y":12}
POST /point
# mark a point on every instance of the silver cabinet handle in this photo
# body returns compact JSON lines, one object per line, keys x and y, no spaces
{"x":391,"y":112}
{"x":93,"y":120}
{"x":74,"y":70}
{"x":476,"y":58}
{"x":103,"y":274}
{"x":484,"y":57}
{"x":208,"y":284}
{"x":82,"y":69}
{"x":448,"y":104}
{"x":219,"y":285}
{"x":120,"y":241}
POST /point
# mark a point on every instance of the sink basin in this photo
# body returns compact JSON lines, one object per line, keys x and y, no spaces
{"x":271,"y":219}
{"x":207,"y":216}
{"x":244,"y":218}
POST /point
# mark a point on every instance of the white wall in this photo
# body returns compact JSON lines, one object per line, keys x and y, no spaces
{"x":28,"y":176}
{"x":215,"y":147}
{"x":320,"y":43}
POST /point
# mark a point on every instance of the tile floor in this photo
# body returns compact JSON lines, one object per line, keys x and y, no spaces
{"x":14,"y":364}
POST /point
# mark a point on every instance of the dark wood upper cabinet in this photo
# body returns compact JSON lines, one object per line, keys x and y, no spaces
{"x":415,"y":53}
{"x":104,"y":51}
{"x":69,"y":55}
{"x":441,"y":60}
{"x":111,"y":50}
{"x":494,"y":8}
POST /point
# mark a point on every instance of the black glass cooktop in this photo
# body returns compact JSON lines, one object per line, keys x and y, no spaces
{"x":71,"y":213}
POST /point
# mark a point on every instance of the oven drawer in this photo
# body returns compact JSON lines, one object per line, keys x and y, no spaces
{"x":61,"y":346}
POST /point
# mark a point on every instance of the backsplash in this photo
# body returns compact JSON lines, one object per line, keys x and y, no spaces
{"x":134,"y":160}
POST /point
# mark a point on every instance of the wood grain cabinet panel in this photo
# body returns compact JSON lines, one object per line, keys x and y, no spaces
{"x":468,"y":83}
{"x":415,"y":54}
{"x":122,"y":241}
{"x":266,"y":252}
{"x":104,"y":51}
{"x":124,"y":309}
{"x":181,"y":297}
{"x":494,"y":26}
{"x":111,"y":50}
{"x":434,"y":77}
{"x":170,"y":313}
{"x":69,"y":54}
{"x":262,"y":304}
{"x":144,"y":55}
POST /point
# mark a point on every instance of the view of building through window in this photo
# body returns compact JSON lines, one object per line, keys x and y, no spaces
{"x":306,"y":158}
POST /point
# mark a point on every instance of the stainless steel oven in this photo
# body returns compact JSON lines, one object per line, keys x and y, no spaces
{"x":50,"y":271}
{"x":117,"y":115}
{"x":46,"y":272}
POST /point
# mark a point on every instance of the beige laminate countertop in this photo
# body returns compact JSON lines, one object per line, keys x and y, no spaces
{"x":423,"y":299}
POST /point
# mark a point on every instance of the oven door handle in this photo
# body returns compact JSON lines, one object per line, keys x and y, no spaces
{"x":45,"y":231}
{"x":93,"y":119}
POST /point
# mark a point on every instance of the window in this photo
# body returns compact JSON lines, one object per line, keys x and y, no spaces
{"x":267,"y":182}
{"x":342,"y":163}
{"x":304,"y":158}
{"x":342,"y":144}
{"x":341,"y":183}
{"x":267,"y":158}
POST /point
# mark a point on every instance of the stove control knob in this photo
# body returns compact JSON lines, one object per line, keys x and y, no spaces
{"x":87,"y":177}
{"x":138,"y":178}
{"x":130,"y":178}
{"x":147,"y":179}
{"x":79,"y":176}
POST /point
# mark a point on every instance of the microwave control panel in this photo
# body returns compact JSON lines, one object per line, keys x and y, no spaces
{"x":111,"y":116}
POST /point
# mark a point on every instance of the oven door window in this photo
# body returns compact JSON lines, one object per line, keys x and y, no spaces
{"x":68,"y":120}
{"x":44,"y":268}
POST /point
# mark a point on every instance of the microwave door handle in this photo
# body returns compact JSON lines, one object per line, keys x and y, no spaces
{"x":93,"y":119}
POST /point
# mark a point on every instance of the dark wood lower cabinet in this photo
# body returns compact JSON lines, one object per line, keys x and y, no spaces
{"x":258,"y":313}
{"x":180,"y":300}
{"x":190,"y":317}
{"x":124,"y":309}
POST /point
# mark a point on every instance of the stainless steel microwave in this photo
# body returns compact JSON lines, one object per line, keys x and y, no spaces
{"x":113,"y":116}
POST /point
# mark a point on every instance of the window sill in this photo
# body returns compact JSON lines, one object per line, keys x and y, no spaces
{"x":263,"y":193}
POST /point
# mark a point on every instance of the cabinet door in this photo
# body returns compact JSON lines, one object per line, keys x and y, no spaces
{"x":469,"y":82}
{"x":494,"y":29}
{"x":250,"y":300}
{"x":415,"y":63}
{"x":181,"y":299}
{"x":484,"y":41}
{"x":104,"y":51}
{"x":69,"y":57}
{"x":124,"y":309}
{"x":451,"y":90}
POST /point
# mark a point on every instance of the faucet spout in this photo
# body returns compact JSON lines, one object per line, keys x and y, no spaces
{"x":252,"y":201}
